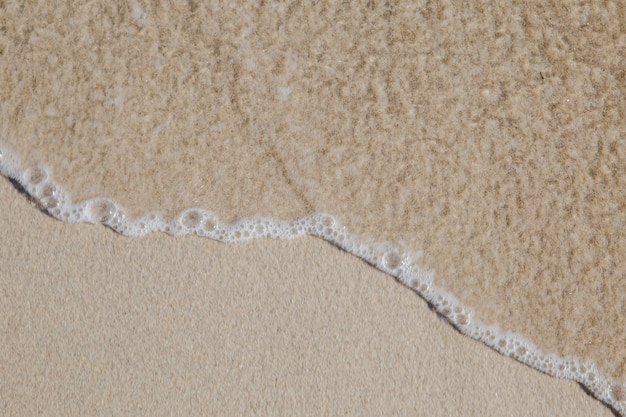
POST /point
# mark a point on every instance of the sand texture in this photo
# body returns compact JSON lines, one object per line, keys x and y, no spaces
{"x":95,"y":323}
{"x":489,"y":137}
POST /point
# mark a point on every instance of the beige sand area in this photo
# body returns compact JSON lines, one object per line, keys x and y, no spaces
{"x":95,"y":323}
{"x":490,"y":136}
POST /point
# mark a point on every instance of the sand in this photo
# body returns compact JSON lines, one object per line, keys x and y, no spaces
{"x":95,"y":323}
{"x":488,"y":137}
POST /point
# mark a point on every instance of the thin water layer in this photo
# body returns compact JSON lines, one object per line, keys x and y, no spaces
{"x":489,"y":138}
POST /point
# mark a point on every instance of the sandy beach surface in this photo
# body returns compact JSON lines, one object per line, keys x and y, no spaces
{"x":481,"y":142}
{"x":95,"y":323}
{"x":487,"y":137}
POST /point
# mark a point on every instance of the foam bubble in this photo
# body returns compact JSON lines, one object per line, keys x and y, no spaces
{"x":462,"y":319}
{"x":101,"y":210}
{"x":51,"y":203}
{"x":47,"y":191}
{"x":392,"y":260}
{"x":327,"y":221}
{"x":209,"y":224}
{"x":37,"y":176}
{"x":191,"y":219}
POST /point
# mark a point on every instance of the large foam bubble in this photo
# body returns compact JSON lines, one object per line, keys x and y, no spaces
{"x":396,"y":261}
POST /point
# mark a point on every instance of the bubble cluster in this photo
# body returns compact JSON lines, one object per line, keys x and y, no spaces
{"x":400,"y":263}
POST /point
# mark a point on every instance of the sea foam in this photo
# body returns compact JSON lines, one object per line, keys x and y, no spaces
{"x":399,"y":262}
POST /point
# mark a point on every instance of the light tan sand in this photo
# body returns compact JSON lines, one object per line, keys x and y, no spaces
{"x":94,"y":323}
{"x":490,"y":137}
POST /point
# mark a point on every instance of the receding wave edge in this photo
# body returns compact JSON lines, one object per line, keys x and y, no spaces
{"x":398,"y":262}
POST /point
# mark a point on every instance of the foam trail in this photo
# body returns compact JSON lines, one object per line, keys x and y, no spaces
{"x":400,"y":263}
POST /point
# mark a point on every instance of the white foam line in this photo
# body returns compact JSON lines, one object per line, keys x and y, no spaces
{"x":399,"y":263}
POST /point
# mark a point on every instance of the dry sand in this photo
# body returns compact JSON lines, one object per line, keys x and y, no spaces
{"x":95,"y":323}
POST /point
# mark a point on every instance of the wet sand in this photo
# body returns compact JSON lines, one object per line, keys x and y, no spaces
{"x":97,"y":323}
